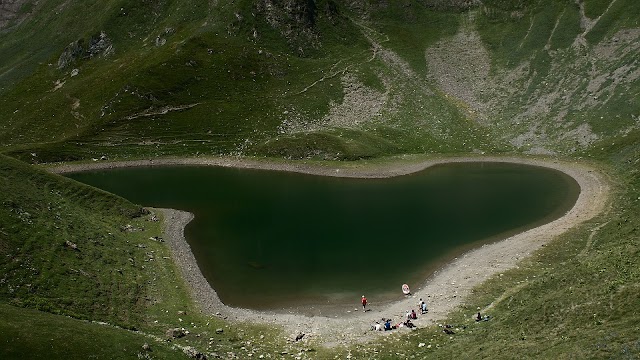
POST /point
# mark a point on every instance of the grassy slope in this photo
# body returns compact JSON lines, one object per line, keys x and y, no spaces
{"x":571,"y":93}
{"x":238,"y":80}
{"x":588,"y":287}
{"x":39,"y":335}
{"x":119,"y":277}
{"x":39,"y":214}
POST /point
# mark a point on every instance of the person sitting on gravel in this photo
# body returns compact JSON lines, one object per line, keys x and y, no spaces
{"x":387,"y":325}
{"x":423,"y":307}
{"x":409,"y":324}
{"x":413,"y":314}
{"x":376,"y":327}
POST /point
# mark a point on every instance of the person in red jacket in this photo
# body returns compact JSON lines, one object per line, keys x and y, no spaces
{"x":364,"y":303}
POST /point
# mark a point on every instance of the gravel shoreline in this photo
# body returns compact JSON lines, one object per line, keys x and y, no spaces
{"x":444,"y":291}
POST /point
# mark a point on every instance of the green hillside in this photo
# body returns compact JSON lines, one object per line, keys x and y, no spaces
{"x":324,"y":80}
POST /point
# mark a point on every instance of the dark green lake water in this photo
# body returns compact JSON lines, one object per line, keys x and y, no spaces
{"x":276,"y":240}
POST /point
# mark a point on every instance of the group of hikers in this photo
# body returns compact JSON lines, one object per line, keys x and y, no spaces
{"x":386,"y":325}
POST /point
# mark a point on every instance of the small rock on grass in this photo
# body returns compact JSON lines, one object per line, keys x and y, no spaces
{"x":193,"y":353}
{"x":176,"y":333}
{"x":71,"y":245}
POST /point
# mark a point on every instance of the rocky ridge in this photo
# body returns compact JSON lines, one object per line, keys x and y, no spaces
{"x":10,"y":10}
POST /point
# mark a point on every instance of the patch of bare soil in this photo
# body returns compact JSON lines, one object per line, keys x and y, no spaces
{"x":360,"y":105}
{"x":460,"y":66}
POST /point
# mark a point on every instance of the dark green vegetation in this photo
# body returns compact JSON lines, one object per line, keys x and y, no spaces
{"x":232,"y":79}
{"x":38,"y":335}
{"x":325,"y":79}
{"x":73,"y":250}
{"x":58,"y":240}
{"x":314,"y":238}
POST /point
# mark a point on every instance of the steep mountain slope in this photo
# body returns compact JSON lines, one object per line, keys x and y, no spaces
{"x":97,"y":271}
{"x":325,"y":79}
{"x":252,"y":78}
{"x":56,"y":237}
{"x":546,"y":78}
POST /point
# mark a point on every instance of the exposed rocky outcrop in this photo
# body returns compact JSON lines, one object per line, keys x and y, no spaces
{"x":294,"y":19}
{"x":453,"y":4}
{"x":99,"y":45}
{"x":366,"y":8}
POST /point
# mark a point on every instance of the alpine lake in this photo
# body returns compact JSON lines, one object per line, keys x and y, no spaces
{"x":282,"y":241}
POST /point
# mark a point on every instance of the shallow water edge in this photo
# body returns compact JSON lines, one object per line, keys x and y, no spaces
{"x":446,"y":289}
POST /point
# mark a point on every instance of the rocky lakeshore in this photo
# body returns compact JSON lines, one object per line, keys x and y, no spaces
{"x":444,"y":290}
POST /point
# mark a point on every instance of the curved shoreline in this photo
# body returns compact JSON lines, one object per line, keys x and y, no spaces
{"x":444,"y":290}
